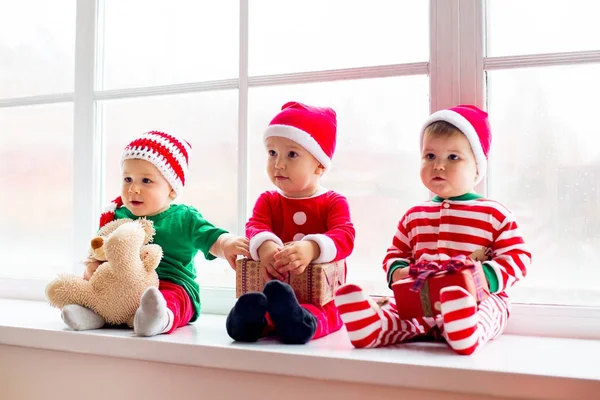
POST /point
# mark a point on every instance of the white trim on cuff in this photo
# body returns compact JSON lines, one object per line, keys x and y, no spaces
{"x":258,"y":239}
{"x":326,"y":245}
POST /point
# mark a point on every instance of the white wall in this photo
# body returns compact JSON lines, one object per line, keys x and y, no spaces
{"x":27,"y":373}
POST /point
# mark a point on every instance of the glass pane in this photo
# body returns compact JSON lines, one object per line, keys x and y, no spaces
{"x":311,"y":35}
{"x":545,"y":166}
{"x":517,"y":27}
{"x":37,"y":47}
{"x":36,"y":174}
{"x":377,"y":159}
{"x":148,"y":43}
{"x":209,"y":122}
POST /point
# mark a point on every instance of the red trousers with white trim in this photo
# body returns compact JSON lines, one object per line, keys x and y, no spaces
{"x":178,"y":301}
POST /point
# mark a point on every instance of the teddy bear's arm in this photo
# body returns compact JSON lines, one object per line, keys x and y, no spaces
{"x":148,"y":226}
{"x":151,"y":254}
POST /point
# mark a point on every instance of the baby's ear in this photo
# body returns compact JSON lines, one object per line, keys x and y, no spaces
{"x":173,"y":194}
{"x":320,"y":170}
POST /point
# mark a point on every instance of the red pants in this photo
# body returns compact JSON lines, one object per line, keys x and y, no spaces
{"x":328,"y":320}
{"x":178,"y":302}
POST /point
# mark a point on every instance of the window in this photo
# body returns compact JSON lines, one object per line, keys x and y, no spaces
{"x":217,"y":72}
{"x":315,"y":35}
{"x":150,"y":43}
{"x":36,"y":168}
{"x":36,"y":138}
{"x":209,"y":119}
{"x":546,"y":160}
{"x":37,"y":43}
{"x":536,"y":26}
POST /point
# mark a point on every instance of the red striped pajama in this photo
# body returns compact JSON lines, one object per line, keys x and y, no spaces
{"x":440,"y":230}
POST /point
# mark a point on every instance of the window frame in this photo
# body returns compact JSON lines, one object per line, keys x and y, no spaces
{"x":457,"y":55}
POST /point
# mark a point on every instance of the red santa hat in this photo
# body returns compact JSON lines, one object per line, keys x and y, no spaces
{"x":313,"y":128}
{"x":474,"y":124}
{"x":167,"y":153}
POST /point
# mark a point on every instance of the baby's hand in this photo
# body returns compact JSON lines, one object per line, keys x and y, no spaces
{"x":90,"y":268}
{"x":266,"y":251}
{"x":295,"y":257}
{"x":481,"y":254}
{"x":399,"y":274}
{"x":234,"y":246}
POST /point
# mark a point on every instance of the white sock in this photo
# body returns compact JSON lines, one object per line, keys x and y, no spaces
{"x":152,"y":317}
{"x":80,"y":318}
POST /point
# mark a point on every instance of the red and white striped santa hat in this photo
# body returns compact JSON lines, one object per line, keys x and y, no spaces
{"x":169,"y":154}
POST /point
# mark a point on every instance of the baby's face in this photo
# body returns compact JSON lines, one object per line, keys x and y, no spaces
{"x":448,"y":166}
{"x":144,"y":190}
{"x":291,"y":168}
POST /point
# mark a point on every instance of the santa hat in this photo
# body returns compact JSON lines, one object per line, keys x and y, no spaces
{"x":313,"y":128}
{"x":167,"y":153}
{"x":473,"y":123}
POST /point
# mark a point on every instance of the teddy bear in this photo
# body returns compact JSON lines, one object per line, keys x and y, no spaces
{"x":127,"y":269}
{"x":96,"y":254}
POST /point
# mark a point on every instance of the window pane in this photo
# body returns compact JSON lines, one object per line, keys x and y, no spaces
{"x":311,"y":35}
{"x":376,"y":164}
{"x":546,"y":168}
{"x":36,"y":174}
{"x":518,"y":27}
{"x":37,"y":47}
{"x":149,"y":43}
{"x":209,"y":122}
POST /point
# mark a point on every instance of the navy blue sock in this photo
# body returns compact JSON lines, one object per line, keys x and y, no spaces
{"x":294,"y":324}
{"x":246,"y":320}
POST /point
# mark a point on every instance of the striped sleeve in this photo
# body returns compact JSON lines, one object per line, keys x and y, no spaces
{"x":510,"y":255}
{"x":399,"y":254}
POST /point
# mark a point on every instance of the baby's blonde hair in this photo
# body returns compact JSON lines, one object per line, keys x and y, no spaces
{"x":442,"y":128}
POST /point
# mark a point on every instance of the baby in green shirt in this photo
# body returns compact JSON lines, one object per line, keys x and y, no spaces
{"x":154,"y":168}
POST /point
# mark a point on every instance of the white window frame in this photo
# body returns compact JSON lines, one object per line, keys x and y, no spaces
{"x":456,"y":68}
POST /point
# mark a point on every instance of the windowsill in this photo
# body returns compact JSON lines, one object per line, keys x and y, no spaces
{"x":511,"y":366}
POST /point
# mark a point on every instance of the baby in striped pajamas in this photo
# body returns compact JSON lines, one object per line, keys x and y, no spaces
{"x":456,"y":222}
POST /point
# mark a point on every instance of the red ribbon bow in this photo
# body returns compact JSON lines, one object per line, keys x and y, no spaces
{"x":424,"y":269}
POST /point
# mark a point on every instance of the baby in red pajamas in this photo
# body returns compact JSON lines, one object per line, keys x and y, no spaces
{"x":298,"y":224}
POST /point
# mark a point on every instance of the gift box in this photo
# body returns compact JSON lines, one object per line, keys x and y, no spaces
{"x":316,"y":285}
{"x":420,"y":296}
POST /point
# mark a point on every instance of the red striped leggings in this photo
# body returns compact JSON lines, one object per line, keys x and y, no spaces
{"x":369,"y":325}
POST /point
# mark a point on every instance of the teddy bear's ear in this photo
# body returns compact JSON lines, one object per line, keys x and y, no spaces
{"x":148,"y":228}
{"x":111,"y":226}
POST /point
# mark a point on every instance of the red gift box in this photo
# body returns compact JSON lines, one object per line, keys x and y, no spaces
{"x":420,"y":296}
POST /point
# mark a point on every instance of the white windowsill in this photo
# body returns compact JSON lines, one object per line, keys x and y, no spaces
{"x":512,"y":366}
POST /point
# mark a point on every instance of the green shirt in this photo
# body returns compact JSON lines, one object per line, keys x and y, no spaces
{"x":181,"y":231}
